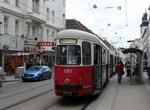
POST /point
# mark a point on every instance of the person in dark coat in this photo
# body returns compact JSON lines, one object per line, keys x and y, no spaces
{"x":128,"y":68}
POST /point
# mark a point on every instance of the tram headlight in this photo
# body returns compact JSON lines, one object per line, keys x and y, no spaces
{"x":67,"y":81}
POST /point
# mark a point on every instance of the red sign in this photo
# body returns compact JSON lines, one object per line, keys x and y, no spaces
{"x":45,"y":44}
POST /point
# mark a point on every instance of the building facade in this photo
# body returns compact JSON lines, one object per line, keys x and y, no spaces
{"x":25,"y":23}
{"x":145,"y":37}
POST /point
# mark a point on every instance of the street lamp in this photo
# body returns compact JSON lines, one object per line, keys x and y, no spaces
{"x":130,"y":41}
{"x":95,"y":6}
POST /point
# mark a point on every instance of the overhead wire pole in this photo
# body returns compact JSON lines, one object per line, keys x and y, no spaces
{"x":126,"y":13}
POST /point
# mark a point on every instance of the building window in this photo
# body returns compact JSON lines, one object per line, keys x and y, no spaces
{"x":17,"y":27}
{"x":53,"y":34}
{"x":5,"y":25}
{"x":17,"y":3}
{"x":64,"y":2}
{"x":6,"y":1}
{"x":33,"y":31}
{"x":53,"y":16}
{"x":35,"y":6}
{"x":13,"y":43}
{"x":47,"y":32}
{"x":48,"y":14}
{"x":63,"y":16}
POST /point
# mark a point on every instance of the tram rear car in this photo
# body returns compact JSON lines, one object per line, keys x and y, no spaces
{"x":81,"y":63}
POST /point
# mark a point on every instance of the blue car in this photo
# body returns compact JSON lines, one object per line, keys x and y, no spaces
{"x":37,"y":73}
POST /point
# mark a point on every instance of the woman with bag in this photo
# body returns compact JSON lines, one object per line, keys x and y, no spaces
{"x":119,"y":71}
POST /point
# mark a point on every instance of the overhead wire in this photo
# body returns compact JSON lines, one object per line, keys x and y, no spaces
{"x":93,"y":12}
{"x":105,"y":17}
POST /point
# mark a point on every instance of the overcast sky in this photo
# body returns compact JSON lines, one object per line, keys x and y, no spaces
{"x":116,"y":20}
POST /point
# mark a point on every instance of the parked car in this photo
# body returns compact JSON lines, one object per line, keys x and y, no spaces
{"x":37,"y":73}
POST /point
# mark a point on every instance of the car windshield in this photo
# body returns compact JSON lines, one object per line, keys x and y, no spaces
{"x":34,"y":68}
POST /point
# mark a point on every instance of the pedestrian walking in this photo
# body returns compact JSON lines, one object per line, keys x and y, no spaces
{"x":12,"y":67}
{"x":119,"y":71}
{"x":128,"y":68}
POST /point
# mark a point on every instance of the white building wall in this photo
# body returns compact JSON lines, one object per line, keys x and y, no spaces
{"x":28,"y":18}
{"x":59,"y":9}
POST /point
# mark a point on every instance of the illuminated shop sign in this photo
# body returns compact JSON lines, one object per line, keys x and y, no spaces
{"x":45,"y":44}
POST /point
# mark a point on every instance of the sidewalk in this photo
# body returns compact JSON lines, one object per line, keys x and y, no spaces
{"x":11,"y":78}
{"x":122,"y":96}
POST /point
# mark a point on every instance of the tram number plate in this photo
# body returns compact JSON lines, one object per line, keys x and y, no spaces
{"x":67,"y":93}
{"x":67,"y":70}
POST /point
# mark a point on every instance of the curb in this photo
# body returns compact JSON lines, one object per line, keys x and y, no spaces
{"x":13,"y":80}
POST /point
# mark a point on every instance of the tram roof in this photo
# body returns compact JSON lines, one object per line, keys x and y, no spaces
{"x":78,"y":34}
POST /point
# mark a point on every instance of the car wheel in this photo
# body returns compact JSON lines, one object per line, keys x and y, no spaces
{"x":41,"y":78}
{"x":50,"y":76}
{"x":23,"y":80}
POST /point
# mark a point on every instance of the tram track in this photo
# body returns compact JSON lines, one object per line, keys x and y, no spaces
{"x":53,"y":103}
{"x":25,"y":100}
{"x":23,"y":91}
{"x":80,"y":105}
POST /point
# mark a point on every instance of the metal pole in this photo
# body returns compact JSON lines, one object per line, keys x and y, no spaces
{"x":141,"y":70}
{"x":40,"y":58}
{"x":131,"y":75}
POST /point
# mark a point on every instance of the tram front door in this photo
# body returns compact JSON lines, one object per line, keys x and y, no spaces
{"x":97,"y":67}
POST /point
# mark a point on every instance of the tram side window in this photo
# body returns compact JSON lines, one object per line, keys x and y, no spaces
{"x":61,"y":55}
{"x":86,"y":50}
{"x":104,"y":56}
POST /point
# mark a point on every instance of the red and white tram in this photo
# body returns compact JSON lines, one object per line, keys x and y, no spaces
{"x":81,"y":63}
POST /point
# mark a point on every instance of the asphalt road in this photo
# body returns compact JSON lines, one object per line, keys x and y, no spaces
{"x":38,"y":95}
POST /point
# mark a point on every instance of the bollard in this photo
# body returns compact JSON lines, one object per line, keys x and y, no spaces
{"x":0,"y":82}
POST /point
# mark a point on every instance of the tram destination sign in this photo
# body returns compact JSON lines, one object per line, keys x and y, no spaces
{"x":45,"y":43}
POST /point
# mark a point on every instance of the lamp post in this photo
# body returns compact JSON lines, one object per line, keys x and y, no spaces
{"x":42,"y":49}
{"x":115,"y":43}
{"x":23,"y":54}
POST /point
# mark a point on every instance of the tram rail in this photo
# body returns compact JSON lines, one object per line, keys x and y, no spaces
{"x":25,"y":100}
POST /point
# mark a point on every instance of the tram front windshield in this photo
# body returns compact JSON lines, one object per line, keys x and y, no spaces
{"x":68,"y":55}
